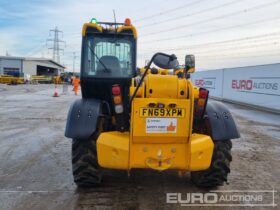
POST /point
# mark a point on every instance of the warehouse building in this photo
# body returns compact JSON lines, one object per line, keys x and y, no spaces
{"x":10,"y":65}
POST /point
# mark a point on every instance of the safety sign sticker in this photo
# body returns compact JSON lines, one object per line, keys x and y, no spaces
{"x":161,"y":125}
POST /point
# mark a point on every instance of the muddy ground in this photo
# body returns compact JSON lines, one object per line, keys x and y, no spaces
{"x":35,"y":162}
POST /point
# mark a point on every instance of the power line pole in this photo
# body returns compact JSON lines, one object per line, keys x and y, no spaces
{"x":56,"y":44}
{"x":74,"y":59}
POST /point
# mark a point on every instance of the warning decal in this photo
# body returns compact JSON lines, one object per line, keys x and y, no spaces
{"x":161,"y":125}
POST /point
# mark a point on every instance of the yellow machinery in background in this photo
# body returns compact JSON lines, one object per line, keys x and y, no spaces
{"x":154,"y":120}
{"x":41,"y":79}
{"x":6,"y":79}
{"x":57,"y":80}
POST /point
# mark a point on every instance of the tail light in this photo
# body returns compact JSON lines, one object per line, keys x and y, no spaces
{"x":117,"y":98}
{"x":116,"y":90}
{"x":119,"y":109}
{"x":200,"y":104}
{"x":203,"y":93}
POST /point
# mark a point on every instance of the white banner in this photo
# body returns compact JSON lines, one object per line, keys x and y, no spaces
{"x":254,"y":85}
{"x":212,"y":80}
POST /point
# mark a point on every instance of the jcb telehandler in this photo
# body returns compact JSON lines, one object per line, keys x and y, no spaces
{"x":127,"y":121}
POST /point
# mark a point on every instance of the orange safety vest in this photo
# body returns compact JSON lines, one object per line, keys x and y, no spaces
{"x":76,"y":82}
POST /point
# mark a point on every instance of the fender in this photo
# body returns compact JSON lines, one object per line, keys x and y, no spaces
{"x":221,"y":122}
{"x":82,"y":118}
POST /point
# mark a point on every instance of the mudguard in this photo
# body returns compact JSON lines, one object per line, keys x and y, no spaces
{"x":82,"y":118}
{"x":222,"y":124}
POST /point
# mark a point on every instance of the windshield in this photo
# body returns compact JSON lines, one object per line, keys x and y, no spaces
{"x":108,"y":56}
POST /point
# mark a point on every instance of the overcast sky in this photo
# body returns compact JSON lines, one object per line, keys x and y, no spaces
{"x":221,"y":33}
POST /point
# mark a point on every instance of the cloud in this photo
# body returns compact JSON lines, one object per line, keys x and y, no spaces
{"x":25,"y":25}
{"x":8,"y":43}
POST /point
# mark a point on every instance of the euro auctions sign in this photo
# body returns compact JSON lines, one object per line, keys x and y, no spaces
{"x":252,"y":85}
{"x":206,"y":83}
{"x":260,"y":85}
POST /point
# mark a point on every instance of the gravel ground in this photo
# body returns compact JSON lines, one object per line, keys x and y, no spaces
{"x":35,"y":163}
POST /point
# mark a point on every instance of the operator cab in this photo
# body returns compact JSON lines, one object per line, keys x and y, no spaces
{"x":108,"y":58}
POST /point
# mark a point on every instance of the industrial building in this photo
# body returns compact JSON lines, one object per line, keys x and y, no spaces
{"x":32,"y":66}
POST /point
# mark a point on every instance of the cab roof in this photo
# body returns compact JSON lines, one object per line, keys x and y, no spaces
{"x":105,"y":27}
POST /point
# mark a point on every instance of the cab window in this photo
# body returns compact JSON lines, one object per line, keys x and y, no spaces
{"x":109,"y":56}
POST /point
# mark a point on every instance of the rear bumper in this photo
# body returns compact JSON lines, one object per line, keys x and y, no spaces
{"x":115,"y":151}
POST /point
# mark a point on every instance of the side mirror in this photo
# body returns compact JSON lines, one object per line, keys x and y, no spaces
{"x":190,"y":63}
{"x":165,"y":61}
{"x":161,"y":60}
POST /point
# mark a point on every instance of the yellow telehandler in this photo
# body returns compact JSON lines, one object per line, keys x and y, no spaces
{"x":148,"y":120}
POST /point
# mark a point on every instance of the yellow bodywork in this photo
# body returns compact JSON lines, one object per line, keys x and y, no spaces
{"x":100,"y":29}
{"x":130,"y":28}
{"x":116,"y":151}
{"x":160,"y":71}
{"x":91,"y":25}
{"x":113,"y":150}
{"x":191,"y":70}
{"x":159,"y":138}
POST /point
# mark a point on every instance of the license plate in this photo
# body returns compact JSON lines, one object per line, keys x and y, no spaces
{"x":162,"y":112}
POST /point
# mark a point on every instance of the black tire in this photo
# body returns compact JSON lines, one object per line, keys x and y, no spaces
{"x":86,"y":171}
{"x":219,"y":169}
